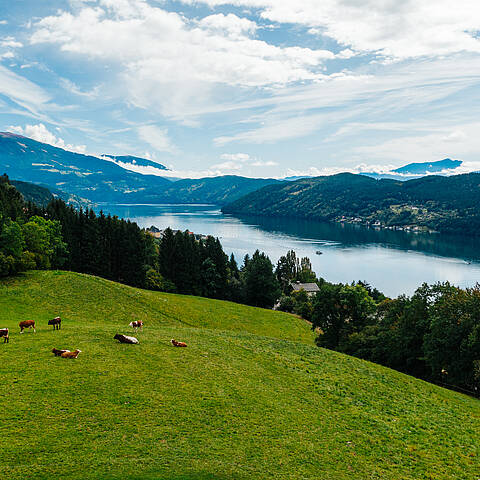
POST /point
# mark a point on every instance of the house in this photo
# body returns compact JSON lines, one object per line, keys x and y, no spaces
{"x":310,"y":288}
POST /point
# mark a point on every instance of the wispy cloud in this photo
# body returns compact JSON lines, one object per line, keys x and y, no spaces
{"x":157,"y":137}
{"x":40,"y":133}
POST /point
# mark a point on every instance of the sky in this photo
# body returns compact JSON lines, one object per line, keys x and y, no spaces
{"x":261,"y":88}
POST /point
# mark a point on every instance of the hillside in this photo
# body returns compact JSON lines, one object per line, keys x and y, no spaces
{"x":33,"y":193}
{"x":250,"y":398}
{"x":446,"y":204}
{"x":214,"y":190}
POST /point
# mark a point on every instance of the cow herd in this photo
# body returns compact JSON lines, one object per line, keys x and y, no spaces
{"x":57,"y":323}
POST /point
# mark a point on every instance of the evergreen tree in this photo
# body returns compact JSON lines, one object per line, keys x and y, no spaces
{"x":261,"y":286}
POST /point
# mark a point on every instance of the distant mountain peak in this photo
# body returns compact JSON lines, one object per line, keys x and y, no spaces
{"x":429,"y":167}
{"x":133,"y":160}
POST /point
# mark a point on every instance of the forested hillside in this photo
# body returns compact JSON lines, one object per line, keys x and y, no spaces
{"x":446,"y":204}
{"x":33,"y":193}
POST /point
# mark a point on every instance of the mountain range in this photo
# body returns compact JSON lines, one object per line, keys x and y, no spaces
{"x":83,"y":179}
{"x":108,"y":178}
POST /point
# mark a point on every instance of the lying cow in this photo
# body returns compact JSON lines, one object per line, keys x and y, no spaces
{"x":136,"y":324}
{"x":4,"y":334}
{"x":178,"y":344}
{"x":68,"y":354}
{"x":125,"y":339}
{"x":57,"y":352}
{"x":56,"y":322}
{"x":27,"y":324}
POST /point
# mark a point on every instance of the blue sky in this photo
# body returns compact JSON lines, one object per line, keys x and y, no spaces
{"x":247,"y":87}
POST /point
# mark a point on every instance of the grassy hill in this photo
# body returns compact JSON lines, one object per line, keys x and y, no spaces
{"x":250,"y":398}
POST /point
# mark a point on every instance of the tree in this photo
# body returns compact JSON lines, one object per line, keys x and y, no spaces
{"x":286,"y":271}
{"x":12,"y":242}
{"x":261,"y":286}
{"x":339,"y":311}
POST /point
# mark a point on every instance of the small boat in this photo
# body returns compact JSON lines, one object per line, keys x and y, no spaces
{"x":318,"y":252}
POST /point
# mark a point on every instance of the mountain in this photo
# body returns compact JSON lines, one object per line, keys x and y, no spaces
{"x":84,"y":175}
{"x":448,"y":204}
{"x":428,"y":167}
{"x":86,"y":178}
{"x":415,"y":170}
{"x":250,"y":398}
{"x":214,"y":190}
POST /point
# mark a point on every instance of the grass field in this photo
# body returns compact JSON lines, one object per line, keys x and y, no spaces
{"x":250,"y":398}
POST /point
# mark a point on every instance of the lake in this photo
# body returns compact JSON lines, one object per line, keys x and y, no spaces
{"x":395,"y":262}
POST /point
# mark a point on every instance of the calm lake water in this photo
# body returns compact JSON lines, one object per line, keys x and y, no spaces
{"x":394,"y":262}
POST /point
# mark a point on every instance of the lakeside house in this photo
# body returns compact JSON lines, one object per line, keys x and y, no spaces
{"x":310,"y":288}
{"x":157,"y":233}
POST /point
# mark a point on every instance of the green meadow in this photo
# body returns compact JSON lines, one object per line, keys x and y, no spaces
{"x":251,"y":397}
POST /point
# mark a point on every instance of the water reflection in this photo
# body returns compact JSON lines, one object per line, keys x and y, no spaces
{"x":394,"y":261}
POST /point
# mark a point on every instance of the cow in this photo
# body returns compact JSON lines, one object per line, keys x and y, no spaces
{"x":56,"y":322}
{"x":27,"y":324}
{"x":58,"y":353}
{"x":68,"y":354}
{"x":136,"y":324}
{"x":4,"y":334}
{"x":178,"y":344}
{"x":125,"y":339}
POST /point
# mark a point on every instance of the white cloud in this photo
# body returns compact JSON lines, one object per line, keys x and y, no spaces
{"x":134,"y":167}
{"x":236,"y":157}
{"x":157,"y":138}
{"x":40,"y":133}
{"x":10,"y":42}
{"x":172,"y":64}
{"x":23,"y":92}
{"x":275,"y":129}
{"x":76,"y":90}
{"x":461,"y":141}
{"x":391,"y":28}
{"x":228,"y":166}
{"x":260,"y":163}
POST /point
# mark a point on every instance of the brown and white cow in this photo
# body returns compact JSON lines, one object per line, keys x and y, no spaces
{"x":56,"y":322}
{"x":4,"y":334}
{"x":126,"y":339}
{"x":178,"y":344}
{"x":57,"y":352}
{"x":27,"y":324}
{"x":73,"y":354}
{"x":136,"y":324}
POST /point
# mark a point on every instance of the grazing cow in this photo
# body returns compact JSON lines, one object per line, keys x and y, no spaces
{"x":68,"y":354}
{"x":125,"y":339}
{"x":178,"y":344}
{"x":56,"y":322}
{"x":58,"y":353}
{"x":4,"y":334}
{"x":136,"y":324}
{"x":27,"y":324}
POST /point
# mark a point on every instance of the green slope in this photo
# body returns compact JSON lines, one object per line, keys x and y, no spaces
{"x":251,"y":397}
